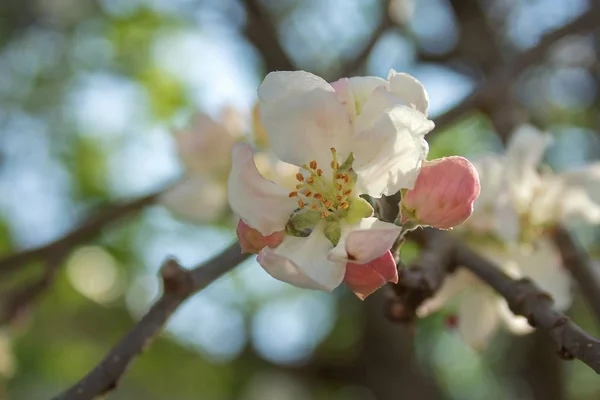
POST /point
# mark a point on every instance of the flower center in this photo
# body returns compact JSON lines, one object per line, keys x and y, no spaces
{"x":328,"y":196}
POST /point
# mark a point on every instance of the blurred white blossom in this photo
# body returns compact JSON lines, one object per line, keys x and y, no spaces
{"x":519,"y":200}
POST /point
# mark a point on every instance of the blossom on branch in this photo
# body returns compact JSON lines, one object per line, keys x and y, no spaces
{"x":204,"y":148}
{"x":353,"y":137}
{"x":516,"y":205}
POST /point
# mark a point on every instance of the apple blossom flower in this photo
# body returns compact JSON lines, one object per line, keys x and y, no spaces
{"x":480,"y":311}
{"x":362,"y":135}
{"x":517,"y":201}
{"x":516,"y":204}
{"x":444,"y":193}
{"x":204,"y":148}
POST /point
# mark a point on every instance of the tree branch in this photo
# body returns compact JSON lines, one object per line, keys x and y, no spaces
{"x":86,"y":231}
{"x":178,"y":285}
{"x":523,"y":296}
{"x":263,"y":34}
{"x":486,"y":95}
{"x":580,"y":266}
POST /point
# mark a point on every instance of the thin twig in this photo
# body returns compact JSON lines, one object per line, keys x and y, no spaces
{"x":86,"y":231}
{"x":579,"y":264}
{"x":506,"y":75}
{"x":178,"y":285}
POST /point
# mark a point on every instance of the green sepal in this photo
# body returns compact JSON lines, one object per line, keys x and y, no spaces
{"x":333,"y":232}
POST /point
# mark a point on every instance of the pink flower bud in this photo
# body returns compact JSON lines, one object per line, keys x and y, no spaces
{"x":252,"y":241}
{"x":444,"y":193}
{"x":364,"y":279}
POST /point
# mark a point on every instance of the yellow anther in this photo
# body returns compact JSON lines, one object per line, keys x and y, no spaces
{"x":347,"y":192}
{"x":307,"y":193}
{"x":293,"y":194}
{"x":313,"y":206}
{"x":346,"y":178}
{"x":300,"y":177}
{"x":318,"y":196}
{"x":334,"y":165}
{"x":319,"y":171}
{"x":310,"y":180}
{"x":339,"y":198}
{"x":313,"y":164}
{"x":324,"y":214}
{"x":328,"y":204}
{"x":343,"y":205}
{"x":339,"y":186}
{"x":301,"y":204}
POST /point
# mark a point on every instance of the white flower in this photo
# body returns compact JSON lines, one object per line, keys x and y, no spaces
{"x":515,"y":197}
{"x":205,"y":151}
{"x":356,"y":136}
{"x":481,"y":310}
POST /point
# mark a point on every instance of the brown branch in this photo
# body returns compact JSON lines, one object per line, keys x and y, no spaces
{"x":263,"y":34}
{"x":86,"y":231}
{"x":178,"y":285}
{"x":580,"y":266}
{"x":487,"y":94}
{"x":523,"y":296}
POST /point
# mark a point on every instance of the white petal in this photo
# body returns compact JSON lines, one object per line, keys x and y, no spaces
{"x":303,"y":262}
{"x":582,"y":197}
{"x":262,"y":204}
{"x":389,"y":155}
{"x":362,"y":87}
{"x":452,"y":286}
{"x":517,"y":324}
{"x":478,"y":317}
{"x":544,"y":266}
{"x":409,"y":89}
{"x":303,"y":118}
{"x":198,"y":198}
{"x":363,"y":242}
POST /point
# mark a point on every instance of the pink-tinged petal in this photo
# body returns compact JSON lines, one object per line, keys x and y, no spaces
{"x":364,"y":279}
{"x":197,"y":198}
{"x":345,"y":96}
{"x":303,"y":262}
{"x":389,"y":154}
{"x":259,"y":202}
{"x":409,"y":89}
{"x":443,"y":195}
{"x":205,"y":146}
{"x":303,"y":118}
{"x":364,"y":242}
{"x":252,"y":241}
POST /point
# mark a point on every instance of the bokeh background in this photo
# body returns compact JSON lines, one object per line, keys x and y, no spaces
{"x":90,"y":92}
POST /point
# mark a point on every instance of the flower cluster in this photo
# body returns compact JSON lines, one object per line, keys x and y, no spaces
{"x":517,"y":204}
{"x":349,"y":141}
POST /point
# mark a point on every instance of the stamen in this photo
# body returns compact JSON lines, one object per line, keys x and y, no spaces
{"x":318,"y":196}
{"x":313,"y":206}
{"x":310,"y":180}
{"x":328,"y":204}
{"x":344,"y":205}
{"x":347,"y":192}
{"x":339,"y":186}
{"x":313,"y":164}
{"x":299,"y":186}
{"x":300,"y":177}
{"x":301,"y":204}
{"x":293,"y":194}
{"x":346,"y":178}
{"x":339,"y":176}
{"x":324,"y":214}
{"x":319,"y":171}
{"x":339,"y":198}
{"x":307,"y":193}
